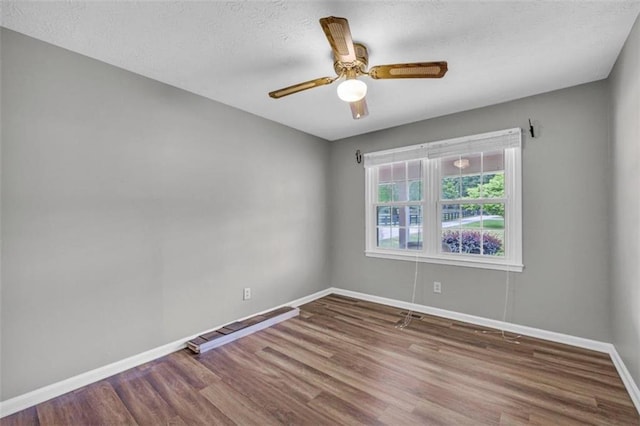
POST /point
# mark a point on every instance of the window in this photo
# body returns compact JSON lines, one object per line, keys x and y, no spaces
{"x":454,"y":202}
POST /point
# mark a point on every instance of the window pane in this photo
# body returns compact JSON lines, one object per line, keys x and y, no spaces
{"x":450,"y":188}
{"x":384,"y":216}
{"x":415,"y":215}
{"x":403,"y":238}
{"x":396,"y":237}
{"x":399,"y":217}
{"x":394,"y":241}
{"x":493,"y":229}
{"x":398,"y":230}
{"x":493,"y":185}
{"x":385,"y":193}
{"x":406,"y":238}
{"x":384,"y":174}
{"x":415,"y":238}
{"x":463,"y":241}
{"x":384,"y":236}
{"x":414,"y":170}
{"x":493,"y":243}
{"x":415,"y":190}
{"x":399,"y":171}
{"x":470,"y":241}
{"x":450,"y":240}
{"x":451,"y":215}
{"x":471,"y":186}
{"x":400,"y":191}
{"x":461,"y":164}
{"x":449,"y":168}
{"x":474,"y":166}
{"x":493,"y":216}
{"x":471,"y":215}
{"x":493,"y":161}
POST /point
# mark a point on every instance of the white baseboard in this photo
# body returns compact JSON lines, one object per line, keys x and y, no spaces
{"x":627,"y":379}
{"x":53,"y":390}
{"x":37,"y":396}
{"x":299,"y":302}
{"x":481,"y":321}
{"x":45,"y":393}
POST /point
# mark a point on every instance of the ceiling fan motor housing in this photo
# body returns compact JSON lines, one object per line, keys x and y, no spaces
{"x":359,"y":65}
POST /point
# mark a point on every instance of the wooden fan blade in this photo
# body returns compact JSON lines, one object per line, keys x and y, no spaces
{"x":339,"y":36}
{"x":276,"y":94}
{"x":415,"y":70}
{"x":359,"y":109}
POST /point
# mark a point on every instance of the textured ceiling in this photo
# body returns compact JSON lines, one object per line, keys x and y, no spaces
{"x":235,"y":52}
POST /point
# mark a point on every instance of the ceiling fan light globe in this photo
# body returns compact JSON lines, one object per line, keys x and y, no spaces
{"x":352,"y":90}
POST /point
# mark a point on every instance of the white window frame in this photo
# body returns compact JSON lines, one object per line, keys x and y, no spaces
{"x":509,"y":140}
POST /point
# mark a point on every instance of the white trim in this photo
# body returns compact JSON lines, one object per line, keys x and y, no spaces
{"x":306,"y":299}
{"x":53,"y":390}
{"x":412,"y":257}
{"x":369,"y":212}
{"x":485,"y":322}
{"x":626,"y":377}
{"x":45,"y":393}
{"x":580,"y":342}
{"x":37,"y":396}
{"x":513,"y":187}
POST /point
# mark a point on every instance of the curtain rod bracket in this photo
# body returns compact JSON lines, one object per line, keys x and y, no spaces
{"x":531,"y":129}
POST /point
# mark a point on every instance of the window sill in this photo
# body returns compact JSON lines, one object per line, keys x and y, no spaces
{"x":470,"y":263}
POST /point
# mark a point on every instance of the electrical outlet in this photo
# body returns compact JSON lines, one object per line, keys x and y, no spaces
{"x":247,"y":293}
{"x":437,"y":287}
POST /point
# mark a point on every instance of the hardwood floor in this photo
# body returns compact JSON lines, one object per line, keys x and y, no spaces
{"x":343,"y":361}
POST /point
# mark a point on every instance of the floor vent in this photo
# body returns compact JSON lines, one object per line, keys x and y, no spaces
{"x":238,"y":329}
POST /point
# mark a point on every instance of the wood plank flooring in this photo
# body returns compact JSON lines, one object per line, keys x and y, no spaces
{"x":343,"y":361}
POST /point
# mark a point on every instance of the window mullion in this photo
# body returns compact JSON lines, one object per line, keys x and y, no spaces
{"x":432,"y":220}
{"x":513,"y":192}
{"x":370,"y":212}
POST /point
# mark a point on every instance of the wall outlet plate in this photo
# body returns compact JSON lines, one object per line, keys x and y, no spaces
{"x":246,"y":295}
{"x":437,"y":287}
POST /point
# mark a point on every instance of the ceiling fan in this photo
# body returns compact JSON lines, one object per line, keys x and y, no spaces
{"x":351,"y":61}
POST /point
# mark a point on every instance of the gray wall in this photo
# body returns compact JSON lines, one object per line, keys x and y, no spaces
{"x":625,"y":203}
{"x":564,"y":286}
{"x":133,"y":214}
